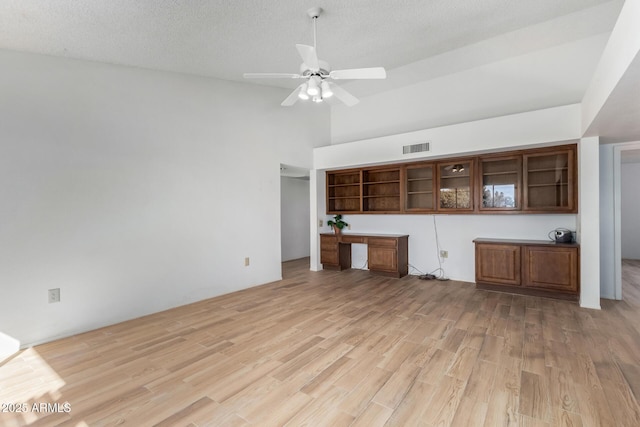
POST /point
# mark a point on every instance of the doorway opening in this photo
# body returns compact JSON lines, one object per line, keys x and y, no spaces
{"x":295,"y":226}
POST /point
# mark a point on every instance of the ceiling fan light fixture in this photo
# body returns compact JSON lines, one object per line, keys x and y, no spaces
{"x":317,"y":99}
{"x":326,"y":89}
{"x":313,"y":89}
{"x":303,"y":92}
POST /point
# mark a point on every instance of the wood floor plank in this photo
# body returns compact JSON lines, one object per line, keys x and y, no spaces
{"x":394,"y":390}
{"x":345,"y":348}
{"x":534,"y":397}
{"x":443,"y":405}
{"x":470,"y":413}
{"x":373,"y":416}
{"x":412,"y":407}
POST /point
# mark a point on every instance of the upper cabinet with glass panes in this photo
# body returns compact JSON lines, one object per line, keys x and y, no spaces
{"x":455,"y":190}
{"x":542,"y":180}
{"x":501,"y":181}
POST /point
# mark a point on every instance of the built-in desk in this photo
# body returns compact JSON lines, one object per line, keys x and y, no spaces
{"x":388,"y":254}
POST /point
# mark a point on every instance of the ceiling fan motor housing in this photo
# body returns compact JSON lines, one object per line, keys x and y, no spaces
{"x":324,"y":70}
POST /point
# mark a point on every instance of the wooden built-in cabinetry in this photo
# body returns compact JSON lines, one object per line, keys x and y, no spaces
{"x":548,"y":180}
{"x":500,"y":179}
{"x":419,"y":188}
{"x":528,"y":267}
{"x":343,"y":191}
{"x":381,"y":190}
{"x":455,"y":189}
{"x":388,"y":254}
{"x":526,"y":181}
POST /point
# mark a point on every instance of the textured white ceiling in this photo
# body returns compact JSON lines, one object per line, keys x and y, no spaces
{"x":224,"y":38}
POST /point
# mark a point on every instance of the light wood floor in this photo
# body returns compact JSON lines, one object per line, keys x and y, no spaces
{"x":345,"y":348}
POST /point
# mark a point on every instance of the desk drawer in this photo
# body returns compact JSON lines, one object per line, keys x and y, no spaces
{"x":328,"y":242}
{"x":383,"y":242}
{"x":353,"y":239}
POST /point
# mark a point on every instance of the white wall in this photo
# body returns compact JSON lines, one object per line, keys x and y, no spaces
{"x":294,"y":218}
{"x":496,"y":134}
{"x":135,"y":191}
{"x":589,"y":221}
{"x":541,"y":79}
{"x":607,"y":222}
{"x":630,"y":210}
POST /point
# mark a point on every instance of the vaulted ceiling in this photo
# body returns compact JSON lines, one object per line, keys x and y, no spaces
{"x":224,"y":39}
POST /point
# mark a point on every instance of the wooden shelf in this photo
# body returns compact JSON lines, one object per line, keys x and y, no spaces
{"x":499,"y":173}
{"x":555,"y":184}
{"x":548,"y":170}
{"x":381,"y":182}
{"x":454,"y":176}
{"x":344,"y":185}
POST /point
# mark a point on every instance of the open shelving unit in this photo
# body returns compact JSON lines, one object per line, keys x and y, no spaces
{"x":548,"y":181}
{"x":419,"y":188}
{"x":381,"y":190}
{"x":540,"y":180}
{"x":343,"y":191}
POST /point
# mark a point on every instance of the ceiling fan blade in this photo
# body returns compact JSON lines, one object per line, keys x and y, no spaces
{"x":292,"y":98}
{"x":344,"y":96}
{"x":271,"y":76}
{"x":309,"y":56}
{"x":359,"y":73}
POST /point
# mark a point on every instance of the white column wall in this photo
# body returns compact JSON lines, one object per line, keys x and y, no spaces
{"x":589,"y":222}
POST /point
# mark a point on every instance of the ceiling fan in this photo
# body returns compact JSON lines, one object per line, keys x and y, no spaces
{"x":318,"y":74}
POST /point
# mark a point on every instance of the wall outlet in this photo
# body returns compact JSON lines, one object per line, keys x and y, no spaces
{"x":246,"y":262}
{"x":54,"y":295}
{"x":444,"y":254}
{"x":320,"y":223}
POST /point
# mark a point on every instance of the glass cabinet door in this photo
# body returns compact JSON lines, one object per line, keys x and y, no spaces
{"x":500,"y":179}
{"x":456,"y":190}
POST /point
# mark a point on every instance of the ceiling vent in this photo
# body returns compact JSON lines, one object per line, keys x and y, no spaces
{"x":416,"y":148}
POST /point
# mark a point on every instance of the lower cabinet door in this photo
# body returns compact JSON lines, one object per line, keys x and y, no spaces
{"x":498,"y":264}
{"x":383,"y":259}
{"x":551,"y":268}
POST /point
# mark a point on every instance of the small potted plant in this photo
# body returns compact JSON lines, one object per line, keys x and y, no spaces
{"x":337,"y":223}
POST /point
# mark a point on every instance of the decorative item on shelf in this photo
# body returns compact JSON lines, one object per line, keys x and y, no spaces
{"x":337,"y":223}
